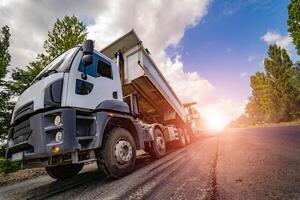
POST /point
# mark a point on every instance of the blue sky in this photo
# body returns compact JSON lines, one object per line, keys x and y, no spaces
{"x":219,"y":47}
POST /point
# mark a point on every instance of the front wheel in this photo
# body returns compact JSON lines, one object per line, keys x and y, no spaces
{"x":118,"y":153}
{"x":61,"y":172}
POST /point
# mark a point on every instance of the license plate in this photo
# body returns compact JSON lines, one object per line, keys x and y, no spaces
{"x":17,"y":156}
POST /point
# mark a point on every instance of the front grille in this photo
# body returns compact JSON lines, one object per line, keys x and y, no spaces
{"x":21,"y":132}
{"x":24,"y":110}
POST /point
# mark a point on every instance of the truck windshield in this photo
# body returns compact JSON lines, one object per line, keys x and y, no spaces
{"x":59,"y":64}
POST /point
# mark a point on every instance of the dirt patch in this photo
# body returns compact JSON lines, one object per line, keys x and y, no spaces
{"x":21,"y":175}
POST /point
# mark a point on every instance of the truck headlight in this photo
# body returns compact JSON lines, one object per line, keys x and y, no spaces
{"x":57,"y":120}
{"x":58,"y":137}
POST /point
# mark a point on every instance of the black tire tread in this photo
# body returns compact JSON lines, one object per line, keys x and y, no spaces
{"x":104,"y":158}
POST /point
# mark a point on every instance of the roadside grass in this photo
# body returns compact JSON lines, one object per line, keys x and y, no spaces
{"x":291,"y":123}
{"x":5,"y":165}
{"x":263,"y":125}
{"x":8,"y":167}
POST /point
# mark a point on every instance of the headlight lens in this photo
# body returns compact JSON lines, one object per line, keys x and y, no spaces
{"x":57,"y":120}
{"x":58,"y":137}
{"x":55,"y":149}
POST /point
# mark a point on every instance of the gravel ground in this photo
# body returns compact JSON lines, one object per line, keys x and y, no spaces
{"x":21,"y":175}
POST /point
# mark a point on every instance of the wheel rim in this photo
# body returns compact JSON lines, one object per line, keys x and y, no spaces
{"x":160,"y":143}
{"x":123,"y":151}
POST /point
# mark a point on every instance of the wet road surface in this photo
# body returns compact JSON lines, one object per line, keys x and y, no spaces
{"x":262,"y":163}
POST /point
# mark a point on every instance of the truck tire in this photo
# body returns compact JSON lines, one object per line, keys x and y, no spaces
{"x":187,"y":137}
{"x":61,"y":172}
{"x":181,"y":142}
{"x":158,"y":148}
{"x":118,"y":153}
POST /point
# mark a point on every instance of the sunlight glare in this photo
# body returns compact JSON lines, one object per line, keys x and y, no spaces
{"x":215,"y":121}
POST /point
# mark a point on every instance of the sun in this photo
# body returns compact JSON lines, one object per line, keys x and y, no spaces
{"x":215,"y":121}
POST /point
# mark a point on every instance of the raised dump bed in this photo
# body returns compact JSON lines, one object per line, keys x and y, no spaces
{"x":157,"y":100}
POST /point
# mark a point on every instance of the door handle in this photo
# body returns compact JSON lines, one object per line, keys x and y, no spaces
{"x":115,"y":94}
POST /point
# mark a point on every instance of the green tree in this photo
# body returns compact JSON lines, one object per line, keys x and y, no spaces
{"x":254,"y":111}
{"x":6,"y":107}
{"x":275,"y":92}
{"x":278,"y":67}
{"x":5,"y":104}
{"x":294,"y":91}
{"x":66,"y":33}
{"x":261,"y":106}
{"x":4,"y":54}
{"x":240,"y":122}
{"x":294,"y":22}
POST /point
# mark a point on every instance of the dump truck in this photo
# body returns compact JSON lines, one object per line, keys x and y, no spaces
{"x":102,"y":106}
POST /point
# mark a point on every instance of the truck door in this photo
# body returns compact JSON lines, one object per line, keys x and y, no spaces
{"x":102,"y":83}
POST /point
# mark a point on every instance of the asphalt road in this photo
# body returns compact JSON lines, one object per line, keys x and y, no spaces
{"x":247,"y":164}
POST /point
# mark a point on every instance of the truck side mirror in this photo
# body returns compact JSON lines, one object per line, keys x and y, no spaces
{"x":87,"y":58}
{"x":88,"y":50}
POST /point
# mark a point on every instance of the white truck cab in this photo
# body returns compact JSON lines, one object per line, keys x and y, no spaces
{"x":102,"y":82}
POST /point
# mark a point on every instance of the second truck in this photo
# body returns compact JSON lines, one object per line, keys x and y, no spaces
{"x":97,"y":106}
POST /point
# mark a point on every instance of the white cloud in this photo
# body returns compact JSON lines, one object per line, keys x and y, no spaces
{"x":243,"y":74}
{"x":272,"y":37}
{"x":189,"y":86}
{"x":159,"y":24}
{"x":29,"y":22}
{"x":251,"y":58}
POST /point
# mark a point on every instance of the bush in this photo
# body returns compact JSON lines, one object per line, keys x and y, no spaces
{"x":8,"y":167}
{"x":2,"y":151}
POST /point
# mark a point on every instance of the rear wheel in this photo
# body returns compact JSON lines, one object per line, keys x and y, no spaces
{"x":181,"y":142}
{"x":187,"y":137}
{"x":118,"y":153}
{"x":64,"y":171}
{"x":158,"y":148}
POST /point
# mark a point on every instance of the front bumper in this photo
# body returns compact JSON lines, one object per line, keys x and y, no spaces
{"x":34,"y":137}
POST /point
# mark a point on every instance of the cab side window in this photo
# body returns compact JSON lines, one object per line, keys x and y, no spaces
{"x":104,"y":69}
{"x":99,"y":67}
